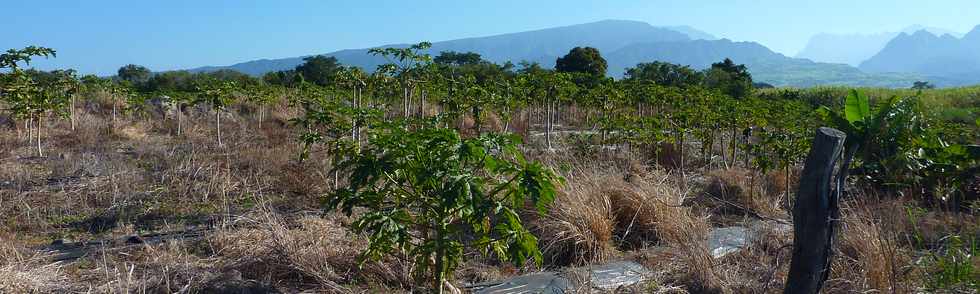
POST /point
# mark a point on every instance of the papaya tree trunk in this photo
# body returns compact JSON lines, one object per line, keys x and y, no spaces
{"x":681,"y":156}
{"x":217,"y":124}
{"x":38,"y":127}
{"x":422,"y":104}
{"x":734,"y":158}
{"x":177,"y":113}
{"x":28,"y":125}
{"x":71,"y":112}
{"x":548,"y":123}
{"x":113,"y":112}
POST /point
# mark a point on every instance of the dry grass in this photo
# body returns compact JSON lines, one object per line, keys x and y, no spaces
{"x":23,"y":271}
{"x":741,"y":191}
{"x":578,"y":228}
{"x":869,"y":252}
{"x":599,"y":212}
{"x":649,"y":209}
{"x":312,"y":251}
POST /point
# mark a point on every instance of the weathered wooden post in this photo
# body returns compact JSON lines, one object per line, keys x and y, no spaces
{"x":815,"y":215}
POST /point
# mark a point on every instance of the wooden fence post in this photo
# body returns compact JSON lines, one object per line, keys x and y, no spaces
{"x":815,"y":215}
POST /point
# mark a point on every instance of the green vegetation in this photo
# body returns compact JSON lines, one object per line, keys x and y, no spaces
{"x":586,"y":60}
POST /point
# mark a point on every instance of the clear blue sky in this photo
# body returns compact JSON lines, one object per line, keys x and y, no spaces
{"x":100,"y":36}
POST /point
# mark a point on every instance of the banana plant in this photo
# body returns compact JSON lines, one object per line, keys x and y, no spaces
{"x":887,"y":140}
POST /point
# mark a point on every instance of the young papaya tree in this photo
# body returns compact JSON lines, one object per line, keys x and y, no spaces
{"x":34,"y":101}
{"x":409,"y":66}
{"x":263,"y":95}
{"x":68,"y":83}
{"x":218,"y":94}
{"x":431,"y":193}
{"x":178,"y":100}
{"x":26,"y":98}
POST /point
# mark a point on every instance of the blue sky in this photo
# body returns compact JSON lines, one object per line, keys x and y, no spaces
{"x":100,"y":36}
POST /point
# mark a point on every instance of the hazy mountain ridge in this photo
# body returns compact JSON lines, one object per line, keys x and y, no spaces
{"x":946,"y":58}
{"x":853,"y":49}
{"x":693,"y":33}
{"x":624,"y":44}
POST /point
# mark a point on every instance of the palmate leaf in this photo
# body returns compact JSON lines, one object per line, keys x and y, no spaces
{"x":856,"y":107}
{"x":539,"y":183}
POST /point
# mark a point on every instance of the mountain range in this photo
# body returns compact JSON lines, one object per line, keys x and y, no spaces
{"x":624,"y":44}
{"x":853,"y":49}
{"x":946,"y":58}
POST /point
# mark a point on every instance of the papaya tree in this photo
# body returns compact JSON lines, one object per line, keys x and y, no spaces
{"x":219,"y":95}
{"x":26,"y":98}
{"x":431,"y":193}
{"x":407,"y":65}
{"x":263,"y":95}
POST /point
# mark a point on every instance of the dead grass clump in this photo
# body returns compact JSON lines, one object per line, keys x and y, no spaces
{"x":579,"y":225}
{"x":688,"y":236}
{"x":170,"y":267}
{"x":311,"y":250}
{"x":650,"y":210}
{"x":303,"y":179}
{"x":738,"y":191}
{"x":276,"y":131}
{"x":869,"y":256}
{"x":646,"y":209}
{"x":28,"y":272}
{"x":686,"y":258}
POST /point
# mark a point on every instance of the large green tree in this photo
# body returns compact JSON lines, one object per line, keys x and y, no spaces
{"x":730,"y":78}
{"x":582,"y":60}
{"x":180,"y":80}
{"x":664,"y":74}
{"x":321,"y":70}
{"x":135,"y":74}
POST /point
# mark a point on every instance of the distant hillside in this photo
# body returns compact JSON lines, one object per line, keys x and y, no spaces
{"x":945,"y":59}
{"x":692,"y":33}
{"x":855,"y":48}
{"x":624,"y":44}
{"x":764,"y":64}
{"x":542,"y":46}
